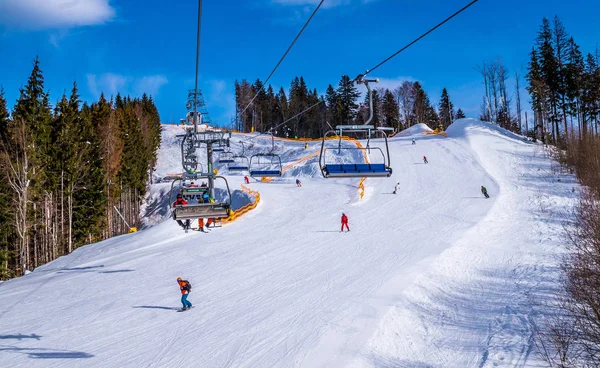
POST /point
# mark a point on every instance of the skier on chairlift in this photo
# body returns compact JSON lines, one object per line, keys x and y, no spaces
{"x":179,"y":202}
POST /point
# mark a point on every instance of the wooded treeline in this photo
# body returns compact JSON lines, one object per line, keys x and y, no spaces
{"x":63,"y":168}
{"x":564,"y":86}
{"x":400,"y":108}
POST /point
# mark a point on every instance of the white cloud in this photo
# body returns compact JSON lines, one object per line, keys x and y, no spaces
{"x":390,"y":83}
{"x":110,"y":84}
{"x":221,"y":96}
{"x":107,"y":83}
{"x":44,"y":14}
{"x":150,"y":85}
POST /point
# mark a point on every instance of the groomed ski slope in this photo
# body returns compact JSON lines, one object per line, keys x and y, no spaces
{"x":435,"y":276}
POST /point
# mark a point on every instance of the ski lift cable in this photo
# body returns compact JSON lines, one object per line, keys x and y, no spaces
{"x":416,"y":40}
{"x":277,"y":126}
{"x":284,"y":55}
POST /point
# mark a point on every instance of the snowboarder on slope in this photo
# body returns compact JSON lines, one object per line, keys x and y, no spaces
{"x":344,"y":222}
{"x":396,"y":187}
{"x":179,"y":202}
{"x":185,"y":287}
{"x":246,"y":179}
{"x":298,"y":183}
{"x":425,"y":160}
{"x":484,"y":191}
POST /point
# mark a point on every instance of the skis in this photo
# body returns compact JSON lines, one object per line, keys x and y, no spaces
{"x":184,"y":310}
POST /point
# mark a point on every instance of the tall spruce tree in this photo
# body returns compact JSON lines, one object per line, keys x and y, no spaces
{"x":6,"y":195}
{"x":348,"y":94}
{"x":390,"y":111}
{"x":446,"y":109}
{"x":460,"y":114}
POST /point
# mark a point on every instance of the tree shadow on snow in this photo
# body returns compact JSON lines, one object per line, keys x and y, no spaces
{"x":42,"y":353}
{"x":155,"y":307}
{"x":19,"y":337}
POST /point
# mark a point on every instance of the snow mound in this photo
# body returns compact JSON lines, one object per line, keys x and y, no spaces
{"x":416,"y":129}
{"x":462,"y":128}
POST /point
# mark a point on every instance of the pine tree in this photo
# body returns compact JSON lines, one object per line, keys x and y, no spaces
{"x":6,"y":194}
{"x":537,"y":89}
{"x":390,"y":111}
{"x":549,"y":73}
{"x":347,"y":105}
{"x":446,"y":109}
{"x":332,"y":99}
{"x":460,"y":114}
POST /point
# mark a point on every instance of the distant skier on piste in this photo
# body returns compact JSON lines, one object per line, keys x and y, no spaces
{"x":179,"y":202}
{"x":298,"y":183}
{"x":246,"y":179}
{"x":484,"y":191}
{"x":344,"y":222}
{"x":396,"y":187}
{"x":425,"y":160}
{"x":413,"y":141}
{"x":185,"y":287}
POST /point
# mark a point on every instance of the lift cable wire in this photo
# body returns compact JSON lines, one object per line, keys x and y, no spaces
{"x":360,"y":76}
{"x":285,"y":121}
{"x":284,"y":55}
{"x":416,"y":40}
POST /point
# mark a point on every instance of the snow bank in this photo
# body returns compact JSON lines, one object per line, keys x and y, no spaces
{"x":416,"y":129}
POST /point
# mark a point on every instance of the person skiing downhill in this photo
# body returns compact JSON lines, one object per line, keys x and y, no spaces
{"x":185,"y":287}
{"x":179,"y":202}
{"x":246,"y":179}
{"x":484,"y":191}
{"x":413,"y":141}
{"x":425,"y":160}
{"x":344,"y":222}
{"x":396,"y":187}
{"x":298,"y":183}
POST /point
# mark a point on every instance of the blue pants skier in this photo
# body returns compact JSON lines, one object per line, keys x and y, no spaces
{"x":185,"y":302}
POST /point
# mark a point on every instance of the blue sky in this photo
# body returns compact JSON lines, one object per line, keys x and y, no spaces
{"x":136,"y":46}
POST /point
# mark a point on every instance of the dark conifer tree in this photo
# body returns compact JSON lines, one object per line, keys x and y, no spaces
{"x":460,"y":114}
{"x":391,"y":111}
{"x":347,"y":105}
{"x":332,"y":99}
{"x":446,"y":109}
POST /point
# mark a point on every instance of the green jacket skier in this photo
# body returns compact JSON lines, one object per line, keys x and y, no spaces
{"x":484,"y":191}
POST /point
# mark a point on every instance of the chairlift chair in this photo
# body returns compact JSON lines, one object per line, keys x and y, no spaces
{"x":226,"y":157}
{"x":358,"y":169}
{"x":260,"y":168}
{"x":194,"y":211}
{"x":240,"y":162}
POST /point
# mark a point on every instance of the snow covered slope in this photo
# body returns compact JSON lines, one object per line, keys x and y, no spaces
{"x":434,"y":276}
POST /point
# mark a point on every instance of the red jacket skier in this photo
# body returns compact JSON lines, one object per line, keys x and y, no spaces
{"x":246,"y":179}
{"x":425,"y":160}
{"x":180,"y":201}
{"x":344,"y":222}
